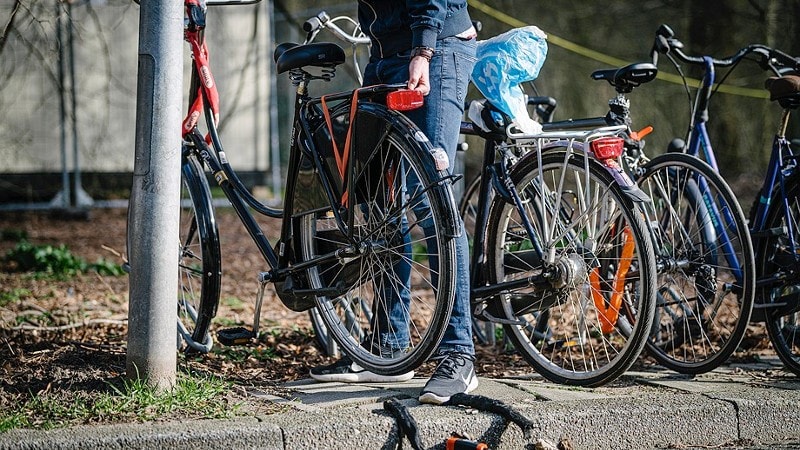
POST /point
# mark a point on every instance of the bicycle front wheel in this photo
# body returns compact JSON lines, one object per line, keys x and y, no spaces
{"x":394,"y":270}
{"x":779,"y":259}
{"x":199,"y":261}
{"x":583,"y":311}
{"x":706,"y":282}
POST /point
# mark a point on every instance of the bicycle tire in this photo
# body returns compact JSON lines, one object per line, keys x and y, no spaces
{"x":199,"y":260}
{"x":389,"y":149}
{"x":560,"y":331}
{"x":775,"y":257}
{"x":482,"y":331}
{"x":706,"y":286}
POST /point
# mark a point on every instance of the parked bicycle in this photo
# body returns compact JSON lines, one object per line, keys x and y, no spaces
{"x":561,"y":254}
{"x":363,"y":197}
{"x":702,"y":308}
{"x":775,"y":213}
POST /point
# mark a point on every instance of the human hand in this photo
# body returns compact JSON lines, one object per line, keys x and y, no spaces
{"x":418,"y":75}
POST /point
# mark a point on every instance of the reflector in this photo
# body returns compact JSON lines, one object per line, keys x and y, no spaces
{"x":404,"y":100}
{"x":607,"y":147}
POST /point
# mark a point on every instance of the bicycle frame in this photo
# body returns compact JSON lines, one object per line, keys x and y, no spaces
{"x":700,"y":146}
{"x":307,"y":115}
{"x":782,"y":165}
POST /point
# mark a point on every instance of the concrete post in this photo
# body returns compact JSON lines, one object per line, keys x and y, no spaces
{"x":153,"y":219}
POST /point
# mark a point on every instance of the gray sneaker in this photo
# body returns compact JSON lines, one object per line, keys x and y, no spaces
{"x":346,"y":371}
{"x":454,"y":374}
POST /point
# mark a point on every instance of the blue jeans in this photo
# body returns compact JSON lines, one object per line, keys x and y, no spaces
{"x":440,"y":120}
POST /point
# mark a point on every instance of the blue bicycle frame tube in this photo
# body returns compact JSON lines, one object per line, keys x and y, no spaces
{"x":698,"y":141}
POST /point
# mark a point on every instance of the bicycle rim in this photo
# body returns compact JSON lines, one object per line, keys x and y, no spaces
{"x":592,"y":327}
{"x":389,"y":247}
{"x":775,"y":257}
{"x":706,"y":284}
{"x":199,"y":262}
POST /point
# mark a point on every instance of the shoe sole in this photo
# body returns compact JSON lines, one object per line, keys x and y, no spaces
{"x":363,"y":377}
{"x":433,"y":399}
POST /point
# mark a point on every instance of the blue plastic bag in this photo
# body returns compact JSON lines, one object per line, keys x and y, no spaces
{"x":505,"y":61}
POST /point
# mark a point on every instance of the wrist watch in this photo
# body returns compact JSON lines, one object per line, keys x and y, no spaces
{"x":425,"y":52}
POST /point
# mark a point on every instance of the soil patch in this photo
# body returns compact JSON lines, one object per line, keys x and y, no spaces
{"x":68,"y":337}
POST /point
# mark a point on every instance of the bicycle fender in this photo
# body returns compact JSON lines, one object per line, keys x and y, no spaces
{"x":629,"y":187}
{"x":442,"y":187}
{"x":452,"y":226}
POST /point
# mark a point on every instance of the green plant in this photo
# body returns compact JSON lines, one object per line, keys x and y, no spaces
{"x":13,"y":296}
{"x":196,"y":396}
{"x":58,"y":261}
{"x":45,"y":259}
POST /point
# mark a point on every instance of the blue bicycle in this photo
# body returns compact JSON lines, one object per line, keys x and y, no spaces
{"x":776,"y":212}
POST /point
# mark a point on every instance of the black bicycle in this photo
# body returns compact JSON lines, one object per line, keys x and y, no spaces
{"x":363,"y":204}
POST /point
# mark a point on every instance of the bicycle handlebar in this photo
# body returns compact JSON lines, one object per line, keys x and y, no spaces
{"x":231,"y":2}
{"x":770,"y":58}
{"x":222,"y":2}
{"x":323,"y":20}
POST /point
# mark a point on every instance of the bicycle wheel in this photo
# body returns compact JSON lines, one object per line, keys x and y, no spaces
{"x":779,"y":258}
{"x":588,"y":322}
{"x":482,"y":331}
{"x":706,"y":282}
{"x":199,"y":262}
{"x":402,"y":215}
{"x":323,"y":337}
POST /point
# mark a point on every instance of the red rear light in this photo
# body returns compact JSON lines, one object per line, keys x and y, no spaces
{"x":607,"y":147}
{"x":404,"y":100}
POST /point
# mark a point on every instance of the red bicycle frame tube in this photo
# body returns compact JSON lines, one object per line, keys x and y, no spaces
{"x":207,"y":87}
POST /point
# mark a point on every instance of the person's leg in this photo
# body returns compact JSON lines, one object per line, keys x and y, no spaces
{"x":440,"y":120}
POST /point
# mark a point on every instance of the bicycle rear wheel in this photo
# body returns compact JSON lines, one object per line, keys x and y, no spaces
{"x":397,"y":246}
{"x":779,"y":257}
{"x":589,"y":324}
{"x":706,"y":284}
{"x":199,"y":260}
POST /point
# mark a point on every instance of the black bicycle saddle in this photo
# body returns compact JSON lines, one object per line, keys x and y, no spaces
{"x":290,"y":56}
{"x":624,"y":79}
{"x":786,"y":90}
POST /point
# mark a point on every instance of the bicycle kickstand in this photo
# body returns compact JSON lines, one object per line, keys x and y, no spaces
{"x":241,"y":335}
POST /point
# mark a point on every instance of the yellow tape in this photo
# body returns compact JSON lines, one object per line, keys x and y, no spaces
{"x":607,"y":59}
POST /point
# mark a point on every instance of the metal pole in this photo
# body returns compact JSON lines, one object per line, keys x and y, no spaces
{"x":257,"y":58}
{"x":81,"y":197}
{"x":274,"y":136}
{"x":153,"y":219}
{"x":63,"y":198}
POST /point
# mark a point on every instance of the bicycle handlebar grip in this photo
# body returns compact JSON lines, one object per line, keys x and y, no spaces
{"x":316,"y":22}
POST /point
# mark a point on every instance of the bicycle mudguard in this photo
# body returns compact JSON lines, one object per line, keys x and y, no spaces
{"x":629,"y":187}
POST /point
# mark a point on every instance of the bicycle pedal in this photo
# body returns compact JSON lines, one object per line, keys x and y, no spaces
{"x":235,"y":336}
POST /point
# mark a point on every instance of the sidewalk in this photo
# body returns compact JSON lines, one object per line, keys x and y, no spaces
{"x":731,"y":407}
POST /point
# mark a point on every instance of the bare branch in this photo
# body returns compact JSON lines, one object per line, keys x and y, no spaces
{"x":8,"y":26}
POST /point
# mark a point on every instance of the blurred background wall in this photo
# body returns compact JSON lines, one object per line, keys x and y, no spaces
{"x":37,"y":115}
